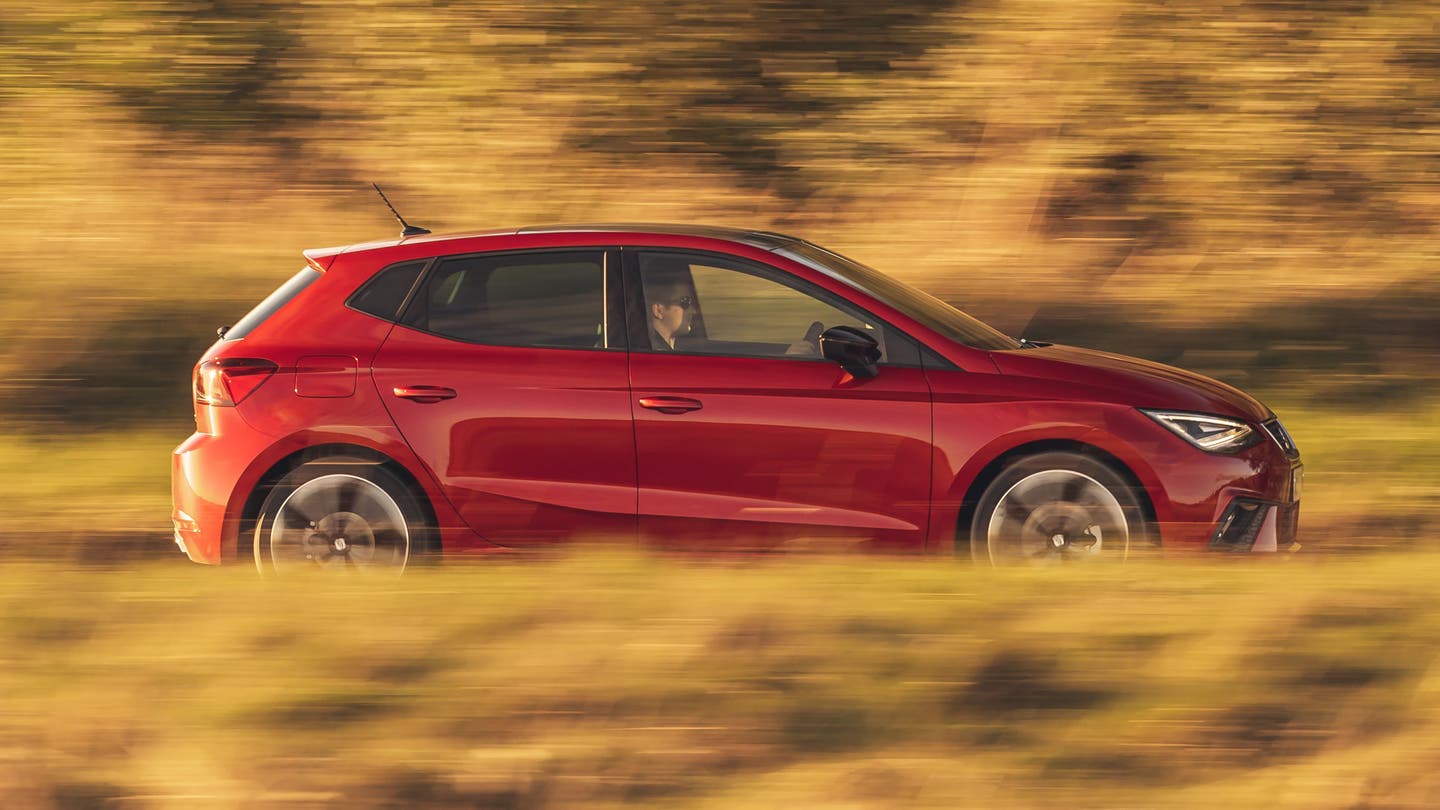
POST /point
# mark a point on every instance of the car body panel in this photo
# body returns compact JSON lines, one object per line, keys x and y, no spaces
{"x":214,"y":475}
{"x":1128,"y":380}
{"x":980,"y":418}
{"x":536,"y":446}
{"x":784,"y":453}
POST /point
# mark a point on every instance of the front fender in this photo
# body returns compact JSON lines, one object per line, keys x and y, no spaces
{"x":957,"y":480}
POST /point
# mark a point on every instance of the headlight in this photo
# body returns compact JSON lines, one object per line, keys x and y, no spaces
{"x":1213,"y":434}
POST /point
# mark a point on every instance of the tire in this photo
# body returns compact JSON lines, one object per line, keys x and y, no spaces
{"x":1056,"y":508}
{"x":341,"y":515}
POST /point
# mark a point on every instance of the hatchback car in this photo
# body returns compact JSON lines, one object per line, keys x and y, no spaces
{"x":691,"y":388}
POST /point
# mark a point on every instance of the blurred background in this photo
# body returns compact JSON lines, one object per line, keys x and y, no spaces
{"x":1247,"y":189}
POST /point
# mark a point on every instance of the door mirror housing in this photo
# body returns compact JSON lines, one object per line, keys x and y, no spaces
{"x":855,"y":351}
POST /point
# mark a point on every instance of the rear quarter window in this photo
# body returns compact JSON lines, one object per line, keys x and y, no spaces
{"x":272,"y":303}
{"x":383,"y":295}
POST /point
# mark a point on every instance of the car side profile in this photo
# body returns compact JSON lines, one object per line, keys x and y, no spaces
{"x":691,"y":388}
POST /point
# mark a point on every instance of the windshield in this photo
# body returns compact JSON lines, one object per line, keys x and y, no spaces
{"x":923,"y":307}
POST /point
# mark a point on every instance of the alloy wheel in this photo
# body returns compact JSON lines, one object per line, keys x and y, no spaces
{"x":1057,"y":516}
{"x":339,"y":523}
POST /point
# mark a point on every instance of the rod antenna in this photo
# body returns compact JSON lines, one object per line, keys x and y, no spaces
{"x":409,"y":230}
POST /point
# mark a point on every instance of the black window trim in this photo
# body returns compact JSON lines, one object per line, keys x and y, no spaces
{"x":612,"y":296}
{"x":409,"y":294}
{"x":635,"y":304}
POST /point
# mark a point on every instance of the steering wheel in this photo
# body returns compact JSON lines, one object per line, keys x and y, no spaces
{"x":810,"y":344}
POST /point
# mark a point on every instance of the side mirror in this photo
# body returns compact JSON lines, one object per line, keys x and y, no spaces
{"x":855,"y":351}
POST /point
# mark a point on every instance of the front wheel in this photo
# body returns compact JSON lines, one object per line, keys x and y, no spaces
{"x":339,"y":516}
{"x":1056,"y":508}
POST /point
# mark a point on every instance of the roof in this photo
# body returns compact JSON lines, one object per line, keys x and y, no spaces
{"x":765,"y":240}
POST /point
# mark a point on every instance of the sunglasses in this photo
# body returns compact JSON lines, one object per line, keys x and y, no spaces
{"x":684,"y":302}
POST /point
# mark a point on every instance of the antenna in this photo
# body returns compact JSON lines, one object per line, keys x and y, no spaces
{"x":410,"y":230}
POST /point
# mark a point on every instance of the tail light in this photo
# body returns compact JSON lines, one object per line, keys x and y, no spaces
{"x":228,"y":381}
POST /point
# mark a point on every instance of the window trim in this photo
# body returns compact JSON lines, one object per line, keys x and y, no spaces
{"x":611,"y":296}
{"x":635,"y":304}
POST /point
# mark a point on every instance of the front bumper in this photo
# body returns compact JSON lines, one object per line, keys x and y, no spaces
{"x":1256,"y":524}
{"x":1251,"y":525}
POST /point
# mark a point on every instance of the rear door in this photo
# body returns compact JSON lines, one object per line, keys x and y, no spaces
{"x":508,"y":377}
{"x":746,"y":438}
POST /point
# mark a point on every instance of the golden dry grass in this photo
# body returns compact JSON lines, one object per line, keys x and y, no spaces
{"x":601,"y":681}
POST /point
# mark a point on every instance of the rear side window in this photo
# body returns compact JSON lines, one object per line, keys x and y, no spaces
{"x":552,"y":299}
{"x":273,"y":303}
{"x":383,"y":295}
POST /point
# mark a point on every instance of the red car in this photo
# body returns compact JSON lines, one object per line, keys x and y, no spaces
{"x":691,"y":388}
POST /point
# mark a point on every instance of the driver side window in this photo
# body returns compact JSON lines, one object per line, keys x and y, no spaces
{"x":737,"y":309}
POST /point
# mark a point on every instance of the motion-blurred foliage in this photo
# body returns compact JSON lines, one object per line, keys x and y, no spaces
{"x":606,"y":682}
{"x":1244,"y":188}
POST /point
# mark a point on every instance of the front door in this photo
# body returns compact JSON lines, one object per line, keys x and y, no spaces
{"x":508,"y":378}
{"x":746,"y":438}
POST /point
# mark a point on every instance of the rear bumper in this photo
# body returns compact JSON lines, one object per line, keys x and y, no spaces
{"x":198,"y":512}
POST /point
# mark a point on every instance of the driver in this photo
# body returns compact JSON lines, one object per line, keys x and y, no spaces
{"x":668,"y":303}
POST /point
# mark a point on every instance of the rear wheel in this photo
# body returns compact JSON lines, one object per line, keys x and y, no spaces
{"x":340,"y":515}
{"x":1057,"y":508}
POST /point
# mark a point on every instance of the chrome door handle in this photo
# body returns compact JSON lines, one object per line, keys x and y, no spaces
{"x":670,"y":404}
{"x":425,"y":394}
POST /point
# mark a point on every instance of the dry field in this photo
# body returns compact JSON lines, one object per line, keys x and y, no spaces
{"x":606,"y":680}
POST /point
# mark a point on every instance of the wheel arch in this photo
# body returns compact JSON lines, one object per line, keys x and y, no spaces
{"x":996,"y":465}
{"x":266,"y":476}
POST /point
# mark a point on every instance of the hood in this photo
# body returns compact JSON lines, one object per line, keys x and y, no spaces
{"x":1130,"y":380}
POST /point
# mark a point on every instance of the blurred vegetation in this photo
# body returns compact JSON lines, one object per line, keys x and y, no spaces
{"x":1246,"y":189}
{"x":604,"y":681}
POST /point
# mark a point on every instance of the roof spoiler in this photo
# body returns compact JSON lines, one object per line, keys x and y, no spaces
{"x":322,"y":258}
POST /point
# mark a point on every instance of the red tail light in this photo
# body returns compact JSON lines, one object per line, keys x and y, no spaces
{"x":230,"y":380}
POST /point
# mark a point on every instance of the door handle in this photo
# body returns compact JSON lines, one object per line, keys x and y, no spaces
{"x":424,"y":394}
{"x":670,"y":404}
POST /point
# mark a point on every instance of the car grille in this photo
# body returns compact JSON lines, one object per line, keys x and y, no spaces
{"x":1281,"y":436}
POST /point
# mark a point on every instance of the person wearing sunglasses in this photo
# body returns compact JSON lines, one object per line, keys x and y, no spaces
{"x":668,"y":304}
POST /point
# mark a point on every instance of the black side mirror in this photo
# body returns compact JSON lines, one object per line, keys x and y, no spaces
{"x":855,"y":351}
